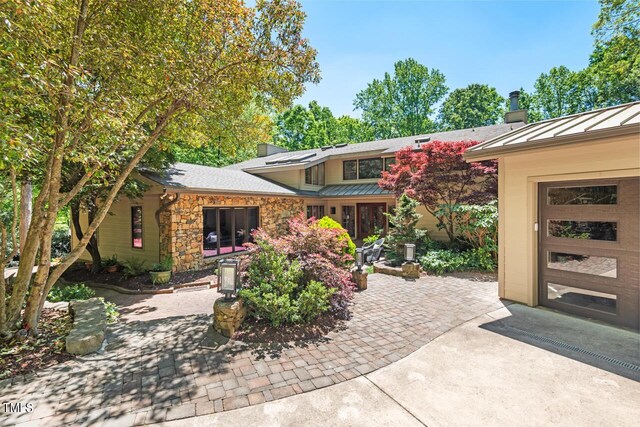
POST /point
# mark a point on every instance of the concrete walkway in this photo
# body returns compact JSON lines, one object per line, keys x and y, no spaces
{"x":513,"y":366}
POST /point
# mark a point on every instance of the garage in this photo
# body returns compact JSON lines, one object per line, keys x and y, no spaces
{"x":589,"y":248}
{"x":569,"y":213}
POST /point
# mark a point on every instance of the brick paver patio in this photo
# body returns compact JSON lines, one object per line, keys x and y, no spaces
{"x":172,"y":368}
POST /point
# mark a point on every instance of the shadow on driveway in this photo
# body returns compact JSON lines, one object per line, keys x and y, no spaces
{"x":605,"y":347}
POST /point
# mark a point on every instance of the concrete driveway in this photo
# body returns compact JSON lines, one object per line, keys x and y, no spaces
{"x":513,"y":366}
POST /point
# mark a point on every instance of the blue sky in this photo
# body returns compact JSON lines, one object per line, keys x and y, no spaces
{"x":505,"y":44}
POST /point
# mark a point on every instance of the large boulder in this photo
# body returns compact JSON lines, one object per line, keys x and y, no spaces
{"x":89,"y":325}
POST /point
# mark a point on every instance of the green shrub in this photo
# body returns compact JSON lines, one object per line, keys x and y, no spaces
{"x":370,"y":239}
{"x":166,"y":264}
{"x":313,"y":301}
{"x":443,"y":261}
{"x":477,"y":226}
{"x":60,"y":241}
{"x":327,"y":222}
{"x":134,"y":267}
{"x":276,"y":292}
{"x":78,"y":291}
{"x":447,"y":260}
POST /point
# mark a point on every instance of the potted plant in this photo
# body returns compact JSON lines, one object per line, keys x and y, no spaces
{"x":111,"y":265}
{"x":161,"y":272}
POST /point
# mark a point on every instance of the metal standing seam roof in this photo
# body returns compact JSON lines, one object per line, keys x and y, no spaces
{"x":574,"y":128}
{"x":371,"y":189}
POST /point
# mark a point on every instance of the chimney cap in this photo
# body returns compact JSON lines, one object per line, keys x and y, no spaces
{"x":514,"y":93}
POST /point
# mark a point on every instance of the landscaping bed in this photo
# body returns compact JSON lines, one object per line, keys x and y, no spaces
{"x":142,"y":282}
{"x":22,"y":355}
{"x":260,"y":331}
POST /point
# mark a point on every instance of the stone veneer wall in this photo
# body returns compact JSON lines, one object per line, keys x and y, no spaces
{"x":181,"y":224}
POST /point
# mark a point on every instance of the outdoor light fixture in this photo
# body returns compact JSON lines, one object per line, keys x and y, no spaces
{"x":228,"y":277}
{"x":409,"y":252}
{"x":359,"y":258}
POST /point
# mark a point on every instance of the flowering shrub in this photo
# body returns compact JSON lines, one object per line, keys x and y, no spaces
{"x":296,"y":277}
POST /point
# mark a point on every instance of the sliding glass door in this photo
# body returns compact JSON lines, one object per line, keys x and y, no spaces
{"x":225,"y":230}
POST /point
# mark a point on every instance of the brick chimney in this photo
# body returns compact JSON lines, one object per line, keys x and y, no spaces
{"x":515,"y":114}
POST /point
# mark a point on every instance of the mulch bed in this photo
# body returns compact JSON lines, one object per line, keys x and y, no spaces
{"x":143,"y":282}
{"x":259,"y":331}
{"x":22,"y":355}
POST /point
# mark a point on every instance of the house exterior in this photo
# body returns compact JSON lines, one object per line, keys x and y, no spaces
{"x":195,"y":214}
{"x":569,"y":215}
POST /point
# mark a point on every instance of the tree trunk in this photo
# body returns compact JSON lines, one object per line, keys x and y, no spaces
{"x":26,"y":195}
{"x":92,"y":246}
{"x":4,"y":257}
{"x":38,"y":290}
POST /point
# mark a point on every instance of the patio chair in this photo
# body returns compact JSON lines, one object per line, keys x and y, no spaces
{"x":372,"y":251}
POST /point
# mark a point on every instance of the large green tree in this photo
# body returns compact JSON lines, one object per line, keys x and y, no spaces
{"x":402,"y":104}
{"x":615,"y":61}
{"x":90,"y":78}
{"x":472,"y":106}
{"x":314,"y":126}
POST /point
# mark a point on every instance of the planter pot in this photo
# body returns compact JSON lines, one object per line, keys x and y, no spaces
{"x":112,"y":269}
{"x":160,"y":277}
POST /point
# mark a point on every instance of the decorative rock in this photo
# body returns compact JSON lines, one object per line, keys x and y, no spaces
{"x":360,"y":279}
{"x":411,"y":270}
{"x":89,"y":324}
{"x":228,"y":315}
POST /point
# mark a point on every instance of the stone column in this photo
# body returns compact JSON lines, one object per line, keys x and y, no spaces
{"x":228,"y":315}
{"x":360,"y":279}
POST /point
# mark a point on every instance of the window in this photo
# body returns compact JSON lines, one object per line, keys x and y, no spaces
{"x":316,"y":211}
{"x":365,"y":168}
{"x":136,"y":227}
{"x":369,"y":168}
{"x":350,"y":170}
{"x":586,"y":264}
{"x":225,"y":230}
{"x":595,"y":195}
{"x":585,"y":230}
{"x":584,"y":298}
{"x":388,"y":161}
{"x":314,"y":175}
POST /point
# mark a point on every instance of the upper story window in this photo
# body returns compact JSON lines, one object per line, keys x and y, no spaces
{"x":314,"y":175}
{"x":369,"y":168}
{"x":366,"y":168}
{"x":136,"y":227}
{"x":388,"y":161}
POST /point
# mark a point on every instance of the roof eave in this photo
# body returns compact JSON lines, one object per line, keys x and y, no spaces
{"x":229,"y":192}
{"x":480,"y":153}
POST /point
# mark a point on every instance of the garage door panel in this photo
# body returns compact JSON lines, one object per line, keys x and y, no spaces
{"x":589,"y":248}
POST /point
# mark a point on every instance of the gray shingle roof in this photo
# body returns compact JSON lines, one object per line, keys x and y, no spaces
{"x":352,"y":190}
{"x":385,"y":146}
{"x":206,"y":178}
{"x":568,"y":129}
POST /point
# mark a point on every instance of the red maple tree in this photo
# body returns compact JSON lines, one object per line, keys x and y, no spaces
{"x":439,"y":178}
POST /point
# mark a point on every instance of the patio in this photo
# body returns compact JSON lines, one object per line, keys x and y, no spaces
{"x":171,"y":368}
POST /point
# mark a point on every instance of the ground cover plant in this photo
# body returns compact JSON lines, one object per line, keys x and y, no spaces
{"x":78,"y":292}
{"x":296,"y":277}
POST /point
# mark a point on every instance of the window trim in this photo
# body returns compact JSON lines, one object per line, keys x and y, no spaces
{"x":133,"y":246}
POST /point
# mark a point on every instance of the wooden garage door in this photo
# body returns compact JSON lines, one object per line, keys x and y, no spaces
{"x":590,"y":249}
